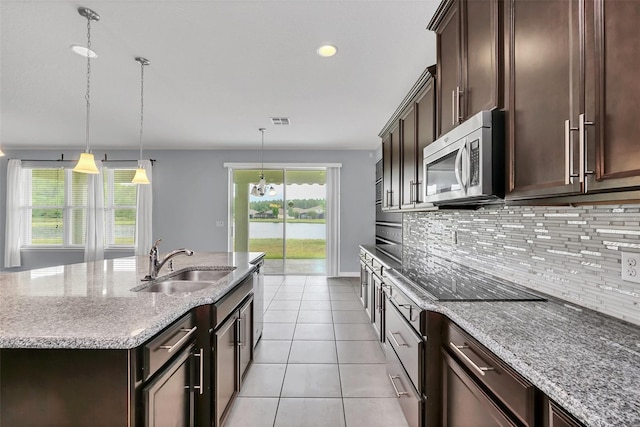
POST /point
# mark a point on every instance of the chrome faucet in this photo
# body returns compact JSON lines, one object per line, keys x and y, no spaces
{"x":155,"y":265}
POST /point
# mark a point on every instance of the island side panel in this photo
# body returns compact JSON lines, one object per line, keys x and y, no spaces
{"x":66,"y":387}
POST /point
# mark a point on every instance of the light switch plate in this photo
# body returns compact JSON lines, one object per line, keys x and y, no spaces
{"x":219,"y":223}
{"x":631,"y":267}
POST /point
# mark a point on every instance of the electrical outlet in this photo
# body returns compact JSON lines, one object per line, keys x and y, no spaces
{"x":631,"y":267}
{"x":454,"y":237}
{"x":219,"y":223}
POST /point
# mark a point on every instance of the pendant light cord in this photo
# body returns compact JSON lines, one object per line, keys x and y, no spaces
{"x":87,"y":96}
{"x":141,"y":106}
{"x":262,"y":154}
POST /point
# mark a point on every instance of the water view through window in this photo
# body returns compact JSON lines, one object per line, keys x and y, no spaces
{"x":289,"y":226}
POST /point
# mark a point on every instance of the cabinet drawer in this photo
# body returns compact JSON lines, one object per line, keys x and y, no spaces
{"x":392,"y":234}
{"x":509,"y":387}
{"x":223,"y":308}
{"x":404,"y":341}
{"x":410,"y":311}
{"x":410,"y":399}
{"x":167,"y":344}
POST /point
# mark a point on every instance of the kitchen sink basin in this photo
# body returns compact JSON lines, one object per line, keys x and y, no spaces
{"x":176,"y":286}
{"x":204,"y":275}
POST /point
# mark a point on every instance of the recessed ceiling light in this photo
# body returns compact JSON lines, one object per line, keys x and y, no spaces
{"x":327,"y":50}
{"x":83,"y":51}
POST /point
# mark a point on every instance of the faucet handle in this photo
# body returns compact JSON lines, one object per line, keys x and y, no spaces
{"x":154,"y":248}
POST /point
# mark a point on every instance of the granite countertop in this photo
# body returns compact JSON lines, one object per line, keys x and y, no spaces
{"x":587,"y":362}
{"x":381,"y":253}
{"x":91,"y":305}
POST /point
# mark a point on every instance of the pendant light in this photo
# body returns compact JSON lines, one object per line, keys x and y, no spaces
{"x":141,"y":175}
{"x":261,"y":188}
{"x":86,"y":163}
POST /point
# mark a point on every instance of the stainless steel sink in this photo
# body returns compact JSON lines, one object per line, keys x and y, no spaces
{"x":188,"y":281}
{"x":204,"y":275}
{"x":176,"y":286}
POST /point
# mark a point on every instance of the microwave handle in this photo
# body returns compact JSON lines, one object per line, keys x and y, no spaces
{"x":458,"y":167}
{"x":466,"y":162}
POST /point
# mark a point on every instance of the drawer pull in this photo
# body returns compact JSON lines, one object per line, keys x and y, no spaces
{"x":392,"y":378}
{"x":408,"y":306}
{"x":392,"y":335}
{"x":201,"y":386}
{"x":171,"y":348}
{"x":458,"y":349}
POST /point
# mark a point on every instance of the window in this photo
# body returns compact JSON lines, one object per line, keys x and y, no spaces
{"x":120,"y":207}
{"x":56,"y":207}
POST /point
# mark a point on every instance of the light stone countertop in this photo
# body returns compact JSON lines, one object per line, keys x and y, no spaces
{"x":587,"y":362}
{"x":91,"y":305}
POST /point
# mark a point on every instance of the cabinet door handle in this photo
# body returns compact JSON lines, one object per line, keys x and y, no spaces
{"x":172,"y":348}
{"x":240,"y":332}
{"x":459,"y":93}
{"x":201,"y":386}
{"x":411,"y":191}
{"x":392,"y":335}
{"x":392,"y":378}
{"x":458,"y":349}
{"x":582,"y":123}
{"x":453,"y":107}
{"x":568,"y":153}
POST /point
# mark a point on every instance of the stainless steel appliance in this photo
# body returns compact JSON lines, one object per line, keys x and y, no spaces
{"x":466,"y":165}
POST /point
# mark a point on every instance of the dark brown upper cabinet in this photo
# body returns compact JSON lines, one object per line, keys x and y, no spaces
{"x":403,"y":140}
{"x":571,"y":97}
{"x":469,"y":59}
{"x":391,"y":163}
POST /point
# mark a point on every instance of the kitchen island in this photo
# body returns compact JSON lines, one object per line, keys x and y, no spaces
{"x":86,"y":327}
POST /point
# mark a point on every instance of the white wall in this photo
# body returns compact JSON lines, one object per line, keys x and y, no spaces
{"x":190,"y":195}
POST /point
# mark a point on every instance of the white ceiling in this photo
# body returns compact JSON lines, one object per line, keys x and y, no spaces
{"x":219,"y":70}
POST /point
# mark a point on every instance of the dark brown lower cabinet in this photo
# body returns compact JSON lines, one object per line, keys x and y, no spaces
{"x":555,"y":416}
{"x":169,"y":398}
{"x":232,"y":355}
{"x":464,"y":403}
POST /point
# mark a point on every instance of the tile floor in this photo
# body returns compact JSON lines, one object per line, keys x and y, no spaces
{"x":318,"y":362}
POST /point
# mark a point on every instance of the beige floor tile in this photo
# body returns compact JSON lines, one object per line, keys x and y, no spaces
{"x":288,"y":295}
{"x":346,"y":305}
{"x":316,"y":288}
{"x":340,"y":289}
{"x":324,"y":316}
{"x":355,"y":332}
{"x":311,"y":381}
{"x":272,"y":351}
{"x":314,"y":332}
{"x":253,"y":411}
{"x":314,"y":412}
{"x":360,"y":352}
{"x":344,"y":296}
{"x":313,"y":352}
{"x":284,"y":305}
{"x":316,"y":296}
{"x":278,"y":331}
{"x":377,"y":412}
{"x":280,"y":316}
{"x":351,"y":317}
{"x":365,"y":381}
{"x":263,"y":380}
{"x":315,"y":305}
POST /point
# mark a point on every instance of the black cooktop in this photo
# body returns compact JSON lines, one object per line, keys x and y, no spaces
{"x":448,"y":281}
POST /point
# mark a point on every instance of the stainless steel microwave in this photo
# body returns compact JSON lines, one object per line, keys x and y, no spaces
{"x":466,"y":165}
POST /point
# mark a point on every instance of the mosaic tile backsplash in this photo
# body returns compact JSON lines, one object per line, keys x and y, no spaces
{"x":573,"y":253}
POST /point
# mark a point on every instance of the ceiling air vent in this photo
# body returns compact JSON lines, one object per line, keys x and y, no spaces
{"x":284,"y":121}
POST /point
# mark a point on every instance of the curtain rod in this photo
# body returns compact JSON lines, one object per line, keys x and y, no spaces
{"x":61,"y":159}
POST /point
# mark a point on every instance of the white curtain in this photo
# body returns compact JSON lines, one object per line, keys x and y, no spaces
{"x":333,"y":221}
{"x":94,"y":242}
{"x":144,"y":210}
{"x":14,"y":215}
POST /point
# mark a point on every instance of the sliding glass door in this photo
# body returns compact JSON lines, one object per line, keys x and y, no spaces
{"x":286,"y":218}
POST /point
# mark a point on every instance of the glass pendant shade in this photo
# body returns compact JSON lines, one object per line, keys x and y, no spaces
{"x":254,"y":191}
{"x":272,"y":191}
{"x":1,"y":153}
{"x":140,"y":177}
{"x":86,"y":164}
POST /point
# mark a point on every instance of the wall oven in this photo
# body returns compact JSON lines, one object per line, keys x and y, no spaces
{"x":466,"y":166}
